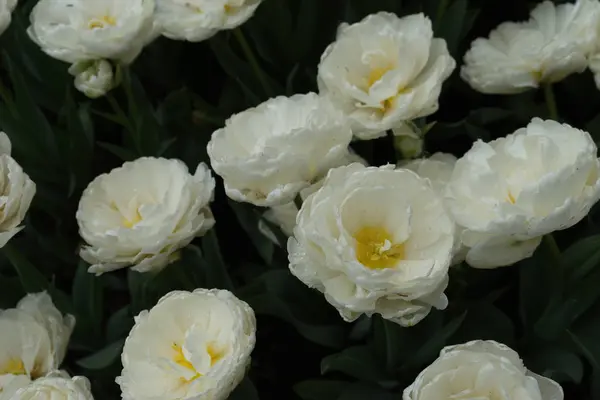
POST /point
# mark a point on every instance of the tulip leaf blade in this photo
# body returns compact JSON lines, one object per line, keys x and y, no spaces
{"x":104,"y":358}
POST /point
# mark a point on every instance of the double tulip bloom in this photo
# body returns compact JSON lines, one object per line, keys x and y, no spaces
{"x":557,"y":41}
{"x":33,"y":343}
{"x":189,"y":346}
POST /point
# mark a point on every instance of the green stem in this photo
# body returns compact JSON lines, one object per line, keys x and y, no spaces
{"x":555,"y":256}
{"x":239,"y":35}
{"x":551,"y":102}
{"x":553,"y":248}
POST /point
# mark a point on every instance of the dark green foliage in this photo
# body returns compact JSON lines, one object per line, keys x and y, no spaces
{"x":172,"y":99}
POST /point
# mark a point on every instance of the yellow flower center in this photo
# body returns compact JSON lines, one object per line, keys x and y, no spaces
{"x":228,"y":8}
{"x":377,"y":73}
{"x":375,"y":250}
{"x":13,"y":366}
{"x":102,"y":22}
{"x":180,"y":359}
{"x":130,"y":223}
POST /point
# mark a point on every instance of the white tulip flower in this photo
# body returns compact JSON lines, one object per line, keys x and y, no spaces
{"x":481,"y":370}
{"x":189,"y":346}
{"x":33,"y":342}
{"x":83,"y":30}
{"x":437,"y":169}
{"x":16,"y":194}
{"x":57,"y":385}
{"x":93,"y":78}
{"x":284,"y":216}
{"x":6,"y":9}
{"x":197,"y":20}
{"x":268,"y":154}
{"x":375,"y":240}
{"x":385,"y":70}
{"x":554,"y":43}
{"x":141,"y":213}
{"x":508,"y":193}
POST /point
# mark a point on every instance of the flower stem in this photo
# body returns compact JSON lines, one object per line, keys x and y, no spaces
{"x":555,"y":258}
{"x":551,"y":101}
{"x":239,"y":35}
{"x":553,"y":248}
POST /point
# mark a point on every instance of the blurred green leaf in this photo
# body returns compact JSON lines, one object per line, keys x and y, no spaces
{"x":537,"y":287}
{"x":249,"y":219}
{"x":387,"y":337}
{"x":216,"y":270}
{"x":452,"y":24}
{"x":279,"y":294}
{"x":555,"y":363}
{"x":119,"y":324}
{"x":484,"y":320}
{"x":362,"y":391}
{"x":320,"y":389}
{"x":582,"y":258}
{"x":245,"y":391}
{"x":103,"y":358}
{"x":88,"y":299}
{"x":32,"y":280}
{"x":436,"y":341}
{"x":358,"y":362}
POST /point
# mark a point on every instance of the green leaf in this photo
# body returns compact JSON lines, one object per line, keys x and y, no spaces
{"x":452,"y":24}
{"x":119,"y":324}
{"x":361,"y":328}
{"x":244,"y":391}
{"x":484,"y":320}
{"x":279,"y":294}
{"x":362,"y":391}
{"x":558,"y":318}
{"x":32,"y":119}
{"x":582,"y":257}
{"x":436,"y":341}
{"x":358,"y":362}
{"x":249,"y":219}
{"x":11,"y":293}
{"x":584,"y":336}
{"x":147,"y":132}
{"x":536,"y":288}
{"x":103,"y":358}
{"x":555,"y":363}
{"x":32,"y":280}
{"x":88,"y":297}
{"x":388,"y":342}
{"x":122,"y":153}
{"x":216,"y":270}
{"x":320,"y":390}
{"x":138,"y":290}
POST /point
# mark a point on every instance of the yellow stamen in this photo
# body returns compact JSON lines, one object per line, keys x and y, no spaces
{"x":228,"y":9}
{"x":179,"y":358}
{"x":102,"y":22}
{"x":130,"y":223}
{"x":13,"y":366}
{"x":510,"y":198}
{"x":375,"y":250}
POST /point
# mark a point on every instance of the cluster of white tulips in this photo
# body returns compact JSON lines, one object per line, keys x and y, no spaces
{"x":372,"y":239}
